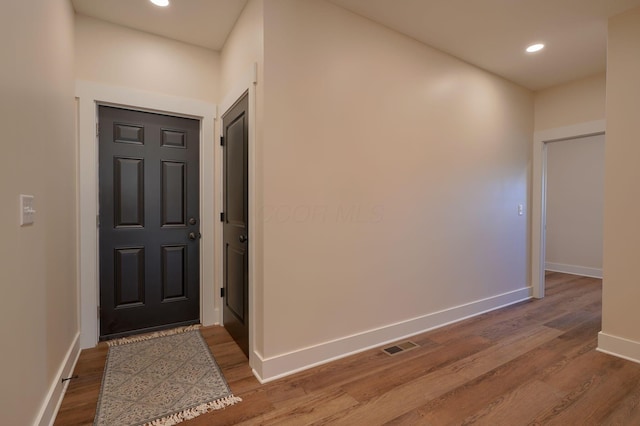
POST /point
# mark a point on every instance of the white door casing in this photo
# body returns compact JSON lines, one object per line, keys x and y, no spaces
{"x":538,"y":213}
{"x":89,"y":96}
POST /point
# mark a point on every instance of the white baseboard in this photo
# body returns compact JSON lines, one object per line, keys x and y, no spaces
{"x":619,"y":346}
{"x":213,"y":319}
{"x":272,"y":368}
{"x":574,"y":270}
{"x":51,"y":404}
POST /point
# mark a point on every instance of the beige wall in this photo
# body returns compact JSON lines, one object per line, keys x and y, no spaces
{"x":39,"y":306}
{"x":392,"y":175}
{"x":575,"y":198}
{"x":572,"y":103}
{"x":115,"y":55}
{"x":621,"y":292}
{"x":244,"y":46}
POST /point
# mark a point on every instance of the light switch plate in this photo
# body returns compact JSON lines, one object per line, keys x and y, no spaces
{"x":27,"y":212}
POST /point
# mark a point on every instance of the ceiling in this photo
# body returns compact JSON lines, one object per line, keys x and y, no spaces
{"x":205,"y":23}
{"x":491,"y":34}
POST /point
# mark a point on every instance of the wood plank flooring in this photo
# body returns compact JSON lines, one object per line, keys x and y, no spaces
{"x":530,"y":364}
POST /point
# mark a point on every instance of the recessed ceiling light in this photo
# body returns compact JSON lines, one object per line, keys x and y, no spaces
{"x":162,"y":3}
{"x":535,"y":48}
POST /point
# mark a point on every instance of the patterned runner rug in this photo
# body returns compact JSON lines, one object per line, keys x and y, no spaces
{"x":160,"y":379}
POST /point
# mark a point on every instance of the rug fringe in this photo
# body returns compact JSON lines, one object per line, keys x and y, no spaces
{"x":194,"y":412}
{"x":143,"y":337}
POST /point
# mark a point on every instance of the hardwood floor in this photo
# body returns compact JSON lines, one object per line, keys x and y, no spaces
{"x":530,"y":364}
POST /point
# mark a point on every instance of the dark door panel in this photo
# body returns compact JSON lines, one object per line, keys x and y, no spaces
{"x":236,"y":223}
{"x":149,"y":191}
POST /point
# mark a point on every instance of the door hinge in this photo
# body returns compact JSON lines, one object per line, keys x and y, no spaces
{"x":221,"y":217}
{"x":222,"y":292}
{"x":98,"y":312}
{"x":97,"y":129}
{"x":97,"y":221}
{"x":221,"y":140}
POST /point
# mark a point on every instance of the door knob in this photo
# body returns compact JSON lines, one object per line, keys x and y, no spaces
{"x":243,"y":238}
{"x":192,"y":221}
{"x":192,"y":235}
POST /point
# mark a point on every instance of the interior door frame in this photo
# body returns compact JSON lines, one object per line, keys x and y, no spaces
{"x":244,"y":83}
{"x":539,"y":192}
{"x":89,"y":95}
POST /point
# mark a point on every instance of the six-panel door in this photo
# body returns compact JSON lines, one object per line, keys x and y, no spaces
{"x":149,"y":223}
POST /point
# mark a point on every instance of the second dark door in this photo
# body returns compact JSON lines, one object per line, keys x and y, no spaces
{"x":235,"y":222}
{"x":149,"y":225}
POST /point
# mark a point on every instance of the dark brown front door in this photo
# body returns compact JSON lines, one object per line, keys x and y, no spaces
{"x":235,"y":218}
{"x":149,"y":224}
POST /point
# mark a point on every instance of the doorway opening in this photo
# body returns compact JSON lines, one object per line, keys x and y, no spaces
{"x":89,"y":96}
{"x":574,"y":206}
{"x":539,"y":193}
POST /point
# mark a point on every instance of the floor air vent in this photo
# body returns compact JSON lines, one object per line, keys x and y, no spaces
{"x":400,"y":347}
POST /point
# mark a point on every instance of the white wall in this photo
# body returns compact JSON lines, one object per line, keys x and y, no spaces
{"x":575,"y":102}
{"x":38,"y":308}
{"x":621,"y":292}
{"x":575,"y":198}
{"x":115,"y":55}
{"x":392,"y":175}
